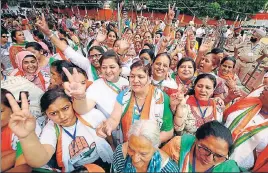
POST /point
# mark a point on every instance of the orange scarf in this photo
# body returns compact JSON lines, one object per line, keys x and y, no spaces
{"x":128,"y":116}
{"x":59,"y":143}
{"x":226,"y":77}
{"x":93,"y":168}
{"x":88,"y":83}
{"x":6,"y":137}
{"x":63,"y":57}
{"x":242,"y":104}
{"x":192,"y":102}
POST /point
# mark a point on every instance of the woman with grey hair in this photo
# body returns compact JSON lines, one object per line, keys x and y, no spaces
{"x":141,"y":153}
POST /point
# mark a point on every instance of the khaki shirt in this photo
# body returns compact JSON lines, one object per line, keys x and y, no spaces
{"x":249,"y":53}
{"x":231,"y":41}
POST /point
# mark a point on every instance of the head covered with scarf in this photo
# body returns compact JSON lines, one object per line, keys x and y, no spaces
{"x":36,"y":77}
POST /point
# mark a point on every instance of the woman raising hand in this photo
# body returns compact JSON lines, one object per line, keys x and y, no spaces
{"x":22,"y":123}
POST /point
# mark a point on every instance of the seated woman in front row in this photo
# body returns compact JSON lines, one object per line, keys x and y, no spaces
{"x":71,"y":136}
{"x":207,"y":151}
{"x":141,"y":152}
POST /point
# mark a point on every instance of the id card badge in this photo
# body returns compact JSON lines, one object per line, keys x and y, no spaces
{"x":250,"y":54}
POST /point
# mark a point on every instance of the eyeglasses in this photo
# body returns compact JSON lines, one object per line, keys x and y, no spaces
{"x":95,"y":56}
{"x":4,"y":36}
{"x":207,"y":152}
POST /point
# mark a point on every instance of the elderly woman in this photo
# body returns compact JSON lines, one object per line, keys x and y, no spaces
{"x":141,"y":101}
{"x":28,"y":67}
{"x":141,"y":153}
{"x":207,"y":151}
{"x":247,"y":120}
{"x":194,"y":110}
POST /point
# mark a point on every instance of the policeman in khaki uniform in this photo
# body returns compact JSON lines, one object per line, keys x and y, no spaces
{"x":249,"y":52}
{"x":232,"y":40}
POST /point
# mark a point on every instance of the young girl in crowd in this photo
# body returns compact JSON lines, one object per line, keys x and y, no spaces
{"x":137,"y":103}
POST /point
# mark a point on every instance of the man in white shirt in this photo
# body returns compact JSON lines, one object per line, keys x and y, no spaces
{"x":200,"y":32}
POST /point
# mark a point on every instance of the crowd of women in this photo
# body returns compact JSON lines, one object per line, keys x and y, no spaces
{"x":81,"y":98}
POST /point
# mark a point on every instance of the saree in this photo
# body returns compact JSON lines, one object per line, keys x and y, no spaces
{"x":94,"y":72}
{"x":14,"y":49}
{"x":193,"y":102}
{"x":153,"y":108}
{"x":247,"y":133}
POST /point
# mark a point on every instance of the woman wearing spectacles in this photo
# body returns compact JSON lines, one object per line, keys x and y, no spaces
{"x":207,"y":151}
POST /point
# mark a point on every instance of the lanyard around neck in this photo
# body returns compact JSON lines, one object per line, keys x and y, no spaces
{"x":73,"y":136}
{"x":157,"y":84}
{"x":139,"y":109}
{"x":203,"y":114}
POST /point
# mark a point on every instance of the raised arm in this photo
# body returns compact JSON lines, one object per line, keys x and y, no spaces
{"x":74,"y":56}
{"x":171,"y":15}
{"x":77,"y":91}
